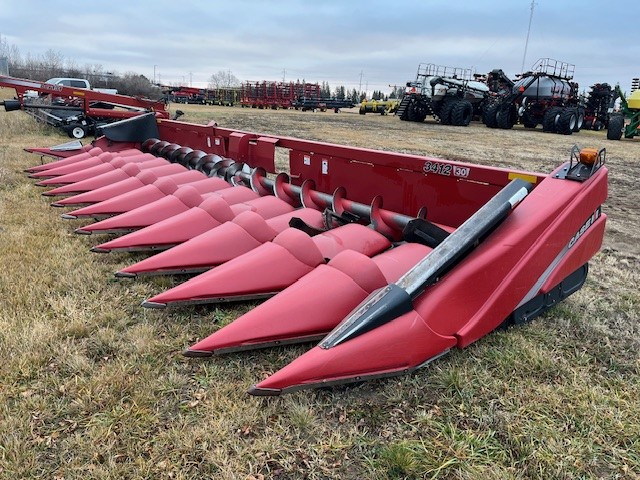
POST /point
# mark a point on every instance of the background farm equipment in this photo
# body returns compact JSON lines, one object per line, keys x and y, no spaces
{"x":627,"y":121}
{"x":181,"y":94}
{"x":383,"y":107}
{"x":597,"y":107}
{"x":77,"y":111}
{"x":322,"y":104}
{"x":301,"y":96}
{"x":224,"y":96}
{"x":498,"y":82}
{"x":444,"y":92}
{"x":276,"y":95}
{"x":545,"y":96}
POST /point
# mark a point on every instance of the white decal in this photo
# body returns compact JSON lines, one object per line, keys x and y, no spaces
{"x":590,"y":221}
{"x":438,"y":168}
{"x":461,"y":171}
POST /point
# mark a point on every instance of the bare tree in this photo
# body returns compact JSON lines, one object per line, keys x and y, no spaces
{"x":72,"y":69}
{"x":53,"y":62}
{"x":223,"y":79}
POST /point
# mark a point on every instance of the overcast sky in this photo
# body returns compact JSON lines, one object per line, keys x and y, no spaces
{"x":369,"y":43}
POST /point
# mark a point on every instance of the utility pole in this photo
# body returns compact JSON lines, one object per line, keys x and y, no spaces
{"x":284,"y":73}
{"x":191,"y":79}
{"x":526,"y":44}
{"x":154,"y":73}
{"x":360,"y":86}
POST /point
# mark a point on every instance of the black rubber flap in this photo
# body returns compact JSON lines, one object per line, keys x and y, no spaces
{"x":422,"y":231}
{"x":134,"y":129}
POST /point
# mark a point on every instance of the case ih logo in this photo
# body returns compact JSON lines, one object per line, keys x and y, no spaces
{"x":52,"y":87}
{"x":590,"y":221}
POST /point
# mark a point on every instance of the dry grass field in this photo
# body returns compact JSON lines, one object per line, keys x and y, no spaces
{"x":93,"y":386}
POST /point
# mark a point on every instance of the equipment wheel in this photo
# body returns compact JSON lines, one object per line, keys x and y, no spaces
{"x":419,"y":112}
{"x":616,"y":125}
{"x":461,"y":113}
{"x":597,"y":126}
{"x":579,"y":119}
{"x":550,"y":119}
{"x":505,"y":118}
{"x":489,"y":115}
{"x":445,"y":110}
{"x":528,"y":121}
{"x":411,"y":110}
{"x":77,"y":131}
{"x":567,"y":120}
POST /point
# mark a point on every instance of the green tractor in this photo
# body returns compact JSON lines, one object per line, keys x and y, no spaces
{"x":627,"y":120}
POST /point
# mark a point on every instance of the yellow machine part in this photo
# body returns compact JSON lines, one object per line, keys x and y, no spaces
{"x":634,"y":100}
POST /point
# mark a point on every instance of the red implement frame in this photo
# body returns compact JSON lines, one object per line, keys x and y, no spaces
{"x":90,"y":101}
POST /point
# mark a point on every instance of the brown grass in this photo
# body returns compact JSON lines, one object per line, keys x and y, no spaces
{"x":92,"y":386}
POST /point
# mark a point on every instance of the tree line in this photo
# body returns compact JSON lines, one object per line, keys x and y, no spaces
{"x":52,"y":64}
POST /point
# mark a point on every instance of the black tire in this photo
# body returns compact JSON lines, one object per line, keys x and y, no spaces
{"x":461,"y":113}
{"x":408,"y":112}
{"x":567,"y":120}
{"x":445,"y":110}
{"x":411,"y":110}
{"x":579,"y":119}
{"x":598,"y":125}
{"x":528,"y":121}
{"x":489,"y":115}
{"x":550,"y":119}
{"x":588,"y":125}
{"x":420,"y":112}
{"x":616,"y":125}
{"x":505,"y":118}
